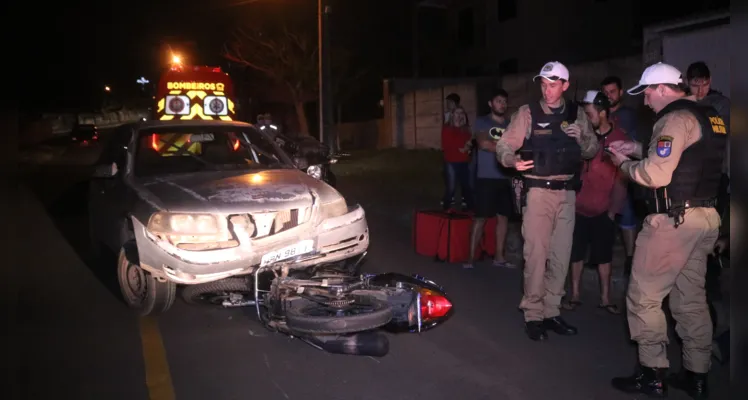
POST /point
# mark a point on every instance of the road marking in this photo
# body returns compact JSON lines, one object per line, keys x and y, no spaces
{"x":157,"y":375}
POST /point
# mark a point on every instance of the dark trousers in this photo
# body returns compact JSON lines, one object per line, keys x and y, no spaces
{"x":457,"y":173}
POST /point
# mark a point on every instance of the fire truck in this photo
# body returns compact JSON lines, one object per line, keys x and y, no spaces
{"x":195,"y":92}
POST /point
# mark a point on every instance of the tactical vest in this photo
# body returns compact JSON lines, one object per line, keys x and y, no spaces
{"x":696,"y":179}
{"x":553,"y":151}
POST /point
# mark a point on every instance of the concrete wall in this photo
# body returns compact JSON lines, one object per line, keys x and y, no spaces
{"x":414,"y":111}
{"x":583,"y":77}
{"x":56,"y":124}
{"x":112,"y":119}
{"x":413,"y":115}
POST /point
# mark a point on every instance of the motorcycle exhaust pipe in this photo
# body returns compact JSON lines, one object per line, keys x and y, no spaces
{"x":371,"y":343}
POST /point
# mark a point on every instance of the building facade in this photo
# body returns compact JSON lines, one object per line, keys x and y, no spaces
{"x":510,"y":36}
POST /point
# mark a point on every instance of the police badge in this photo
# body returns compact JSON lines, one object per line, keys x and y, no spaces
{"x":564,"y":125}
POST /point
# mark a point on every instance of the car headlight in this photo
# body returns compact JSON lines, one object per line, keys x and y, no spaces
{"x":334,"y":208}
{"x":315,"y":171}
{"x":192,"y":231}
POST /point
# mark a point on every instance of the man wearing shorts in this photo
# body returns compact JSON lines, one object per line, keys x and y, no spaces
{"x":600,"y":199}
{"x":625,"y":118}
{"x":493,"y":188}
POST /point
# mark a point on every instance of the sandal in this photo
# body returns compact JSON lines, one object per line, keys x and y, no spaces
{"x":572,"y":304}
{"x":611,"y":308}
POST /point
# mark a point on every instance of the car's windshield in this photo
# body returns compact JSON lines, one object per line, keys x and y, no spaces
{"x":173,"y":150}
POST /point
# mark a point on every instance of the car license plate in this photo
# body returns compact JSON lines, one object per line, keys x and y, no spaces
{"x":285,"y":253}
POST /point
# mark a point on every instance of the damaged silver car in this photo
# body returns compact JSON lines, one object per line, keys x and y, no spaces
{"x":198,"y":202}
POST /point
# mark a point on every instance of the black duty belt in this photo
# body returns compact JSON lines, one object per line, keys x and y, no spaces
{"x":550,"y":184}
{"x":677,"y":209}
{"x":694,"y":203}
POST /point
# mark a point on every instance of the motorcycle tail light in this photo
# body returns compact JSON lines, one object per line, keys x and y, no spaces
{"x":433,"y":306}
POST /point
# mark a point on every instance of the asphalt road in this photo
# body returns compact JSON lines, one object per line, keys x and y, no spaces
{"x":77,"y":340}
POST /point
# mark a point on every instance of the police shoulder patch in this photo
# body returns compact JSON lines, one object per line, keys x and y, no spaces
{"x":664,"y":145}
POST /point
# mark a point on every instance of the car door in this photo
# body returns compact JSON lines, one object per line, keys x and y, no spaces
{"x":108,"y":195}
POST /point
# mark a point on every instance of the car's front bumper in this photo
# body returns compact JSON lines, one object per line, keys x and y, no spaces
{"x":335,"y":239}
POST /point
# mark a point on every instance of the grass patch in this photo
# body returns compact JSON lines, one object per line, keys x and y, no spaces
{"x":404,"y":175}
{"x":390,"y":161}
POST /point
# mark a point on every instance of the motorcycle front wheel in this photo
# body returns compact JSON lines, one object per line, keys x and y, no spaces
{"x":215,"y":294}
{"x":349,"y":315}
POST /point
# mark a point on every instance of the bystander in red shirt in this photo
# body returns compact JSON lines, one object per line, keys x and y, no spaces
{"x":453,"y":139}
{"x":603,"y":185}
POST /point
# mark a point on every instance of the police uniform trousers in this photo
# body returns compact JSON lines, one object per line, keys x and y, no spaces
{"x":548,"y":231}
{"x":670,"y":260}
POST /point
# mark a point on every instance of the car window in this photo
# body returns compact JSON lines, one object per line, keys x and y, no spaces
{"x":115,"y":150}
{"x":190,"y":149}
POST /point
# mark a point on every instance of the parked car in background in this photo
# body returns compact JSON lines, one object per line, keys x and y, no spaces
{"x":84,"y":134}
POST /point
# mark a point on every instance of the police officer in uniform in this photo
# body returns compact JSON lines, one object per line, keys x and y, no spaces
{"x":553,"y":137}
{"x":682,"y":167}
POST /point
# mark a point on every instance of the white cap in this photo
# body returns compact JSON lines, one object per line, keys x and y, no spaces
{"x":657,"y":74}
{"x":553,"y":71}
{"x":589,"y":97}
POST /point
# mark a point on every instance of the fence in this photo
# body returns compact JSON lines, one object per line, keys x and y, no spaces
{"x":414,"y":108}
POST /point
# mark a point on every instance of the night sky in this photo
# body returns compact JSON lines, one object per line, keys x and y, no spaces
{"x":80,"y":46}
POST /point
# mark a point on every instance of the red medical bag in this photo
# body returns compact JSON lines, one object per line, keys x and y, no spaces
{"x":444,"y":235}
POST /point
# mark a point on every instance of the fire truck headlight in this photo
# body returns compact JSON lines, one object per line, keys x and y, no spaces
{"x":177,"y":105}
{"x":215,"y":105}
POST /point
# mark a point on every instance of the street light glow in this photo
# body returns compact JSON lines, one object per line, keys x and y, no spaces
{"x":176,"y":59}
{"x":107,"y":88}
{"x":142,"y":80}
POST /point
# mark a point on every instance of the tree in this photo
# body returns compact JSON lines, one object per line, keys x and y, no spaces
{"x":286,"y":55}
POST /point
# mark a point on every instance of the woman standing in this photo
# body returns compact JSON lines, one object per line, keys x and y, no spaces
{"x":456,"y":137}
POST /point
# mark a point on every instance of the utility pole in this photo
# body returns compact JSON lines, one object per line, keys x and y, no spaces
{"x":320,"y":69}
{"x":326,"y":114}
{"x":414,"y":49}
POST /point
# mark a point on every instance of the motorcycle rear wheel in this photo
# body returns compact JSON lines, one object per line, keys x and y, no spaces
{"x":365,"y":313}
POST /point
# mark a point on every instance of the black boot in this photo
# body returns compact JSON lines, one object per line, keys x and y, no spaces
{"x":650,"y":381}
{"x":535,"y":330}
{"x":696,"y":385}
{"x":558,"y":325}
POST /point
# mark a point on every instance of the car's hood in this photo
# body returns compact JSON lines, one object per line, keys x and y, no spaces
{"x":234,"y":192}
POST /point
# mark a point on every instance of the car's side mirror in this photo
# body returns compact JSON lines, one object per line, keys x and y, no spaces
{"x":105,"y":171}
{"x":301,"y":162}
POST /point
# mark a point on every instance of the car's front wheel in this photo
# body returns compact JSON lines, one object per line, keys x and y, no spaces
{"x":141,"y":290}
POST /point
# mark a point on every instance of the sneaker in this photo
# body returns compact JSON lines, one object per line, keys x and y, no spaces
{"x":503,"y":264}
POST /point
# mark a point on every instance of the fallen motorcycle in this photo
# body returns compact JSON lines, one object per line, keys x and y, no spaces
{"x":332,"y":308}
